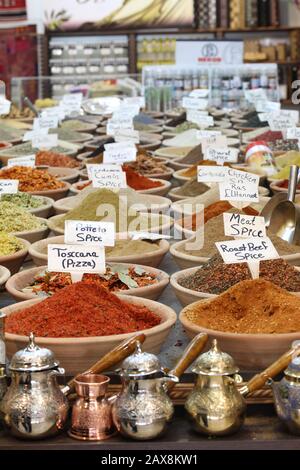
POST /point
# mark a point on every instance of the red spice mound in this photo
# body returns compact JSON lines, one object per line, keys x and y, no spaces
{"x":46,"y":157}
{"x":139,"y":182}
{"x":285,"y":184}
{"x":269,"y":136}
{"x":81,"y":310}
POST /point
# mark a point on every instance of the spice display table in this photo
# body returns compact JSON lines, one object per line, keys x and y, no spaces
{"x":261,"y":431}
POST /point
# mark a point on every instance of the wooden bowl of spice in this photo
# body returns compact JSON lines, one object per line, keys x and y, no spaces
{"x":254,"y":321}
{"x":125,"y":251}
{"x":184,"y":295}
{"x":78,"y":301}
{"x":126,"y":279}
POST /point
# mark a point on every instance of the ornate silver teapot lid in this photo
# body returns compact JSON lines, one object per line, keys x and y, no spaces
{"x":293,"y":369}
{"x":215,"y":362}
{"x":140,"y":364}
{"x":33,"y":358}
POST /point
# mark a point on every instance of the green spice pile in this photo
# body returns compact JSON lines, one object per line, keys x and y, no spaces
{"x":24,"y":200}
{"x":75,"y":125}
{"x":26,"y":148}
{"x":90,"y":208}
{"x":192,"y":188}
{"x":215,"y":277}
{"x":66,"y":134}
{"x":214,"y":232}
{"x":16,"y":219}
{"x":9,"y":244}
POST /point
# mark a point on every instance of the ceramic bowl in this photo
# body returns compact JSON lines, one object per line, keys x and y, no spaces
{"x":71,"y":175}
{"x":184,"y":295}
{"x":34,"y":235}
{"x":39,"y":254}
{"x":78,"y":354}
{"x":45,"y":210}
{"x":275,"y":188}
{"x":54,"y":194}
{"x":24,"y":278}
{"x":4,"y":276}
{"x":151,"y":203}
{"x":155,"y":226}
{"x":14,"y":261}
{"x":161,"y":190}
{"x":177,"y":175}
{"x":250,"y":351}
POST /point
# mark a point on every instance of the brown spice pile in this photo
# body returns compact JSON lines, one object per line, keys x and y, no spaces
{"x":214,"y":277}
{"x":251,"y":306}
{"x":31,"y":179}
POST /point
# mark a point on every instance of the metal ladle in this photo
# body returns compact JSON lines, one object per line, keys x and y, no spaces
{"x":285,"y":218}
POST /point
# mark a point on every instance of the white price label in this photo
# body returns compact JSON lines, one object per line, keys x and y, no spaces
{"x":120,"y":155}
{"x":194,"y":115}
{"x":4,"y":106}
{"x":72,"y":98}
{"x":27,"y":160}
{"x":293,"y":133}
{"x":148,"y":236}
{"x":267,"y":106}
{"x":205,"y":121}
{"x":199,"y":93}
{"x":47,"y":141}
{"x":135,"y":100}
{"x":107,"y":176}
{"x":244,"y":226}
{"x":55,"y":111}
{"x":280,"y":123}
{"x":239,"y":186}
{"x":253,"y":96}
{"x":212,"y":174}
{"x":45,"y":122}
{"x":126,"y":112}
{"x":222,"y":154}
{"x":117,"y":125}
{"x":127,"y":135}
{"x":213,"y":141}
{"x":9,"y":186}
{"x":263,"y":116}
{"x":201,"y":134}
{"x":194,"y":103}
{"x":247,"y":251}
{"x":30,"y":135}
{"x":76,"y":258}
{"x":93,"y":233}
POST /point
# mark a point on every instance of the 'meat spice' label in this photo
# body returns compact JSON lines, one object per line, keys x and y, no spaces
{"x":76,"y":258}
{"x":78,"y":231}
{"x":247,"y":251}
{"x":244,"y":226}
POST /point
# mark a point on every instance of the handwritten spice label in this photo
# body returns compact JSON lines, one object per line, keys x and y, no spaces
{"x":9,"y":186}
{"x":239,"y":186}
{"x":119,"y":154}
{"x":205,"y":121}
{"x":262,"y":106}
{"x":47,"y":141}
{"x":244,"y":226}
{"x":293,"y":133}
{"x":248,"y":250}
{"x":86,"y":232}
{"x":45,"y":122}
{"x":203,"y":133}
{"x":107,"y":176}
{"x":27,"y":160}
{"x":127,"y":135}
{"x":222,"y":154}
{"x":76,"y":258}
{"x":30,"y":135}
{"x":194,"y":115}
{"x":280,"y":123}
{"x":118,"y":124}
{"x":212,"y":174}
{"x":213,"y":141}
{"x":194,"y":103}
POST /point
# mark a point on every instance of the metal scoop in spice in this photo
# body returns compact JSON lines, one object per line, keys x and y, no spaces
{"x":285,"y":218}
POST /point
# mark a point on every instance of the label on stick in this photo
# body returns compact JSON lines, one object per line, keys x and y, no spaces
{"x":107,"y":176}
{"x":27,"y":160}
{"x":45,"y":141}
{"x":247,"y":250}
{"x":76,"y":258}
{"x":222,"y":154}
{"x":93,"y":233}
{"x":120,"y":155}
{"x":239,"y":186}
{"x":244,"y":226}
{"x":194,"y":103}
{"x":212,"y":174}
{"x":9,"y":186}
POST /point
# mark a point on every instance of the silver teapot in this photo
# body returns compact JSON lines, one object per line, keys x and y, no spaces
{"x":34,"y":406}
{"x":287,"y":395}
{"x":216,"y":405}
{"x":143,"y":409}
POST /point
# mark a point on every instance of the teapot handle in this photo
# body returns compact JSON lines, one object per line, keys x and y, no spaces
{"x":191,"y":353}
{"x":260,"y":379}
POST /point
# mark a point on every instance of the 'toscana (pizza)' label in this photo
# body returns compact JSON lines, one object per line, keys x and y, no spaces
{"x":76,"y":258}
